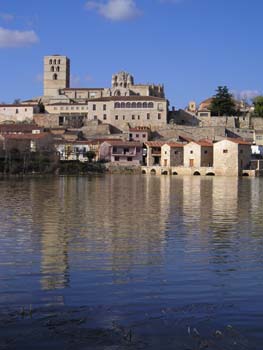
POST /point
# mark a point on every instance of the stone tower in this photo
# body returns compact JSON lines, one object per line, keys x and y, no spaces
{"x":56,"y":74}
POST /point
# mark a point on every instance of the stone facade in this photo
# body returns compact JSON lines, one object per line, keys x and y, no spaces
{"x":56,"y":74}
{"x":172,"y":154}
{"x":231,"y":157}
{"x":17,"y":112}
{"x":121,"y":152}
{"x":198,"y":154}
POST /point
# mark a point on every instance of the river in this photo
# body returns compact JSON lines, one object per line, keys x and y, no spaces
{"x":169,"y":261}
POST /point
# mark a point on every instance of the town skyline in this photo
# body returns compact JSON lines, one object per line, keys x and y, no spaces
{"x":189,"y":46}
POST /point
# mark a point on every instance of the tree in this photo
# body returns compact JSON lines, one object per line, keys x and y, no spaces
{"x":258,"y":104}
{"x":222,"y":102}
{"x":90,"y":155}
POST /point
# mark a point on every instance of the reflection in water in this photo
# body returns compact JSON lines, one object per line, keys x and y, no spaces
{"x":145,"y":241}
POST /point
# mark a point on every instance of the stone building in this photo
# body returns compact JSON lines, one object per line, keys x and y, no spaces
{"x":18,"y":112}
{"x":56,"y":74}
{"x":198,"y":154}
{"x":231,"y":156}
{"x":172,"y":154}
{"x":121,"y":152}
{"x":124,"y":103}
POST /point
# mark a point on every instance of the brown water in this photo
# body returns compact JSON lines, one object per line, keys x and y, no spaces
{"x":154,"y":253}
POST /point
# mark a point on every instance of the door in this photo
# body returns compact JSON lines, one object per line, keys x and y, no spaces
{"x":165,"y":162}
{"x":191,"y":163}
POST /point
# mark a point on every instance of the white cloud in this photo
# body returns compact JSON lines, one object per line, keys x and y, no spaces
{"x":115,"y":10}
{"x":8,"y":17}
{"x":17,"y":38}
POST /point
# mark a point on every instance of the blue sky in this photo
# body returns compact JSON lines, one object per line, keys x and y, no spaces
{"x":191,"y":46}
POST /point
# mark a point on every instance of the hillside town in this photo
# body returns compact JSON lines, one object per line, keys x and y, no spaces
{"x":128,"y":126}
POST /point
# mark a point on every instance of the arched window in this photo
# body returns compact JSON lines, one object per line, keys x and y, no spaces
{"x":117,"y":105}
{"x":58,"y":61}
{"x":57,"y":69}
{"x":144,"y":105}
{"x":50,"y":61}
{"x":122,"y":105}
{"x":52,"y":69}
{"x":128,"y":105}
{"x":150,"y":105}
{"x":55,"y":77}
{"x":139,"y":105}
{"x":55,"y":62}
{"x":133,"y":105}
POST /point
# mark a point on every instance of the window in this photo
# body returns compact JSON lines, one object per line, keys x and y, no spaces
{"x":61,"y":108}
{"x":139,"y":105}
{"x":148,"y":116}
{"x":137,"y":135}
{"x":66,"y":108}
{"x":94,"y":107}
{"x":55,"y":77}
{"x":77,"y":108}
{"x":175,"y":152}
{"x":123,"y":117}
{"x":150,"y":105}
{"x":117,"y":105}
{"x":52,"y":69}
{"x":225,"y":150}
{"x":117,"y":159}
{"x":144,"y":135}
{"x":128,"y":105}
{"x":17,"y":111}
{"x":104,"y":116}
{"x":122,"y":105}
{"x":129,"y":159}
{"x":126,"y":150}
{"x":241,"y":151}
{"x":61,"y":121}
{"x":50,"y":61}
{"x":159,"y":116}
{"x":191,"y":152}
{"x":205,"y":152}
{"x":104,"y":107}
{"x":82,"y":108}
{"x":116,"y":117}
{"x":58,"y":61}
{"x":133,"y":117}
{"x":58,"y":69}
{"x":95,"y":117}
{"x":133,"y":105}
{"x":72,"y":108}
{"x":144,"y":105}
{"x":25,"y":109}
{"x":55,"y":108}
{"x":139,"y":117}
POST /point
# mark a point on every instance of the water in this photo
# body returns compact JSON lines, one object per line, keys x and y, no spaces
{"x":157,"y":248}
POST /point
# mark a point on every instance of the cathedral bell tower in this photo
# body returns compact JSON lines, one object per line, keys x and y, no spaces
{"x":56,"y":74}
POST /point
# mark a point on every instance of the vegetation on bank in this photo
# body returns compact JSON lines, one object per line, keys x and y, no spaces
{"x":15,"y":162}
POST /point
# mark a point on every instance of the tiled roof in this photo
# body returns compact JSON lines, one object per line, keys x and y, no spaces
{"x":174,"y":144}
{"x":155,"y":143}
{"x":124,"y":143}
{"x":129,"y":98}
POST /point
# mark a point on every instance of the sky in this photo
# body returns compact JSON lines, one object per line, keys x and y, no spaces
{"x":190,"y":46}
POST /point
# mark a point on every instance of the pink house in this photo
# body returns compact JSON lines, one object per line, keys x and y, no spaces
{"x":121,"y":152}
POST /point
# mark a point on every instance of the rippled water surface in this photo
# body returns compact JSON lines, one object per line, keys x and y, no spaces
{"x":139,"y":245}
